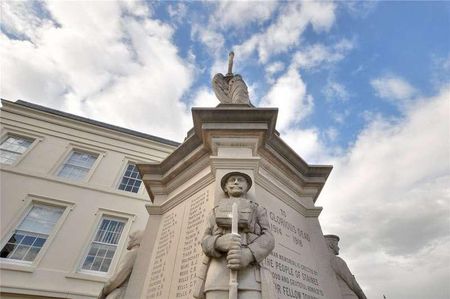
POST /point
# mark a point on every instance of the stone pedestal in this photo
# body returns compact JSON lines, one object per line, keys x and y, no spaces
{"x":186,"y":186}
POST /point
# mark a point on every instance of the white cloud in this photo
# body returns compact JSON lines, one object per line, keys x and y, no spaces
{"x":331,"y":133}
{"x":21,"y":18}
{"x":393,"y":88}
{"x":320,"y":14}
{"x":136,"y":8}
{"x":441,"y":69}
{"x":31,"y":74}
{"x":229,"y":20}
{"x":212,"y":39}
{"x":220,"y":65}
{"x":289,"y":95}
{"x":205,"y":97}
{"x":129,"y":70}
{"x":319,"y":55}
{"x":177,"y":11}
{"x":285,"y":32}
{"x":335,"y":91}
{"x":359,"y":8}
{"x":273,"y":69}
{"x":238,"y":14}
{"x":340,"y":117}
{"x":306,"y":142}
{"x":389,"y":200}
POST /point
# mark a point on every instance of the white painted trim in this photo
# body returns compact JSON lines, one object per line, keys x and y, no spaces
{"x":16,"y":266}
{"x":153,"y":155}
{"x":44,"y":292}
{"x":77,"y":271}
{"x":69,"y":137}
{"x":118,"y":179}
{"x":70,"y":148}
{"x":8,"y":131}
{"x":89,"y":276}
{"x":27,"y":112}
{"x":29,"y":201}
{"x":83,"y":185}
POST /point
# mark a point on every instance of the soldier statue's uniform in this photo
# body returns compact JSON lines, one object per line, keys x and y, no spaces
{"x":255,"y":236}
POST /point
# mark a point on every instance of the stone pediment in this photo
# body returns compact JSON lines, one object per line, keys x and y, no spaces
{"x":244,"y":126}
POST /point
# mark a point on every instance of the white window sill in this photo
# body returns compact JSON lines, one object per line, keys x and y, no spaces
{"x":16,"y":266}
{"x":88,"y":276}
{"x":137,"y":196}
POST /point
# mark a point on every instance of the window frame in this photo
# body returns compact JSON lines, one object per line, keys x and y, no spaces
{"x":118,"y":180}
{"x":78,"y":271}
{"x":30,"y":201}
{"x":11,"y":132}
{"x":66,"y":156}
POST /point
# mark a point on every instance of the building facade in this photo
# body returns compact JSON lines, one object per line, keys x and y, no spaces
{"x":70,"y":195}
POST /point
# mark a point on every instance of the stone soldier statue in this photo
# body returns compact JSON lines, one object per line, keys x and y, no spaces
{"x":244,"y":252}
{"x":350,"y":289}
{"x":116,"y":286}
{"x":230,"y":89}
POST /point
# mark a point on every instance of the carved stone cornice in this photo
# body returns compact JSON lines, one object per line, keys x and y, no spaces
{"x":234,"y":126}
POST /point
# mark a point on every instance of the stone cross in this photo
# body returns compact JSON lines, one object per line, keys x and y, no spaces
{"x":230,"y":64}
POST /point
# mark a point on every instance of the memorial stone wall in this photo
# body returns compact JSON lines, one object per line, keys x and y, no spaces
{"x":293,"y":264}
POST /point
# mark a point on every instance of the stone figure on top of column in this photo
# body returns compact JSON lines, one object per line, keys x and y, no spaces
{"x":116,"y":286}
{"x":242,"y":252}
{"x":348,"y":285}
{"x":231,"y":88}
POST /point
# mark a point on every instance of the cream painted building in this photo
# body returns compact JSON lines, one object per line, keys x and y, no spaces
{"x":70,"y":195}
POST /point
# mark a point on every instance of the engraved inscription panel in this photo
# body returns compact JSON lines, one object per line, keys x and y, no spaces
{"x":292,"y":263}
{"x":177,"y":251}
{"x":190,"y":252}
{"x":161,"y":267}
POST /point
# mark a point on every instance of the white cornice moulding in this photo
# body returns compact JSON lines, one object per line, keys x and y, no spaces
{"x":80,"y":126}
{"x":91,"y":140}
{"x":45,"y":292}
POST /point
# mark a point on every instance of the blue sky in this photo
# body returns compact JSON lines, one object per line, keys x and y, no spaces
{"x":364,"y":86}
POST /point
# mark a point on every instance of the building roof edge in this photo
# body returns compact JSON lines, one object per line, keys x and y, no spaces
{"x":93,"y":122}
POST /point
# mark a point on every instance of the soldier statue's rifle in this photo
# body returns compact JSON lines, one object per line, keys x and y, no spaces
{"x":233,"y":292}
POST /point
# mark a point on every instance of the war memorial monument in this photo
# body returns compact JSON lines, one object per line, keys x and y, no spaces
{"x":233,"y":214}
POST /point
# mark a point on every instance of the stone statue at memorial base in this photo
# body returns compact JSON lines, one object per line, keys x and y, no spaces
{"x":116,"y":286}
{"x":243,"y":252}
{"x":348,"y":285}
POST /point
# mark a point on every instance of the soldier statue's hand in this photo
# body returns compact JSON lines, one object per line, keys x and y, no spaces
{"x":239,"y":258}
{"x":228,"y":241}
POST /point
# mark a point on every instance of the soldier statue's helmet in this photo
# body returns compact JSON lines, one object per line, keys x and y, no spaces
{"x":331,"y":237}
{"x":235,"y":173}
